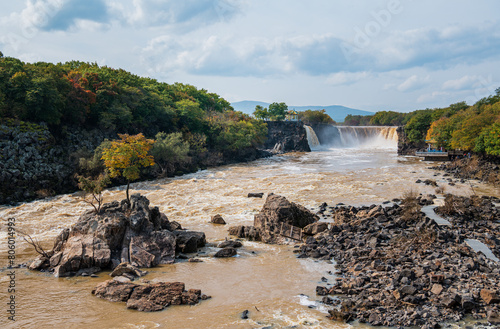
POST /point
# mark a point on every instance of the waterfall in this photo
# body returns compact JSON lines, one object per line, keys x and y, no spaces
{"x":364,"y":136}
{"x":312,"y":139}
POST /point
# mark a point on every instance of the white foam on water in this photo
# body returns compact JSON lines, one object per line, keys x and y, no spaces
{"x":314,"y":304}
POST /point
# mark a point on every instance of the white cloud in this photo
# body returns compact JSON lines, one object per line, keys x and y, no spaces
{"x":213,"y":43}
{"x":465,"y":82}
{"x":185,"y":14}
{"x":433,"y":96}
{"x":346,"y":78}
{"x":413,"y":83}
{"x":38,"y":13}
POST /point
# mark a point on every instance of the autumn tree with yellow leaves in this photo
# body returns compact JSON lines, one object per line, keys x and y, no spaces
{"x":126,"y":156}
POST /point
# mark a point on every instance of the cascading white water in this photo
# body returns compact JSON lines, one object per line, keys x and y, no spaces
{"x":365,"y":137}
{"x":312,"y":139}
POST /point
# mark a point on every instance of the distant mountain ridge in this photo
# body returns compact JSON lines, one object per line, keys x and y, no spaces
{"x":336,"y":112}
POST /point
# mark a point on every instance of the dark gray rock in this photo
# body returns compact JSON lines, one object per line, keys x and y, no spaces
{"x":148,"y":297}
{"x":255,"y":195}
{"x":217,"y":219}
{"x":225,"y":252}
{"x":230,"y":243}
{"x":189,"y":241}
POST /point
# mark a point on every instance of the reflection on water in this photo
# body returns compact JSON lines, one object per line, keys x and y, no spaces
{"x":266,"y":280}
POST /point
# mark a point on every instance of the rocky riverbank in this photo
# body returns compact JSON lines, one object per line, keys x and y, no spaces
{"x":476,"y":167}
{"x":395,"y":266}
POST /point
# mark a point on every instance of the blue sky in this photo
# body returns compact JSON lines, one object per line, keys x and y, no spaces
{"x":372,"y":55}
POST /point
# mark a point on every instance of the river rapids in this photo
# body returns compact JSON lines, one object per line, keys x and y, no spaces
{"x":275,"y":287}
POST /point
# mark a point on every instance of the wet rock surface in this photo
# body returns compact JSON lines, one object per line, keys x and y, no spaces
{"x":121,"y":232}
{"x":217,"y":219}
{"x":148,"y":297}
{"x":226,"y":252}
{"x":396,"y":267}
{"x":275,"y":220}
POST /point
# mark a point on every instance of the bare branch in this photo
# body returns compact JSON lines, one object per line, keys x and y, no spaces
{"x":33,"y":242}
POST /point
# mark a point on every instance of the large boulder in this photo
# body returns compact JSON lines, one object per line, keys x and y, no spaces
{"x":189,"y":241}
{"x":279,"y":214}
{"x":148,"y":297}
{"x":121,"y":232}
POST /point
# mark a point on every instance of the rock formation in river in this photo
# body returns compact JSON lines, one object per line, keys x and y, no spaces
{"x":276,"y":219}
{"x":148,"y":297}
{"x":120,"y":232}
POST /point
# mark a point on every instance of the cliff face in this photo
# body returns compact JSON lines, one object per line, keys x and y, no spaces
{"x":34,"y":164}
{"x":405,"y":147}
{"x":287,"y":136}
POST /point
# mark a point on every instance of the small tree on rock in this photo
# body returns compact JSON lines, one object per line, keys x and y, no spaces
{"x":126,"y":156}
{"x":94,"y":187}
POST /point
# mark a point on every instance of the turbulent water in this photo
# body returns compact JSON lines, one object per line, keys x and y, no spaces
{"x":277,"y":288}
{"x":312,"y":138}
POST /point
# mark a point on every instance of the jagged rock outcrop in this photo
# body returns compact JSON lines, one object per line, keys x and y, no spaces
{"x":148,"y":297}
{"x":286,"y":136}
{"x":120,"y":232}
{"x":277,"y":214}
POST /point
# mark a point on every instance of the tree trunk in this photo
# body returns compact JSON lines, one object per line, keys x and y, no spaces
{"x":128,"y":186}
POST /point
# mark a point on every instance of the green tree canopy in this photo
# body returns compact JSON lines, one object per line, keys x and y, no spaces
{"x":126,"y":156}
{"x":315,"y":116}
{"x":261,"y":113}
{"x":277,"y":111}
{"x":170,"y":150}
{"x":417,"y":126}
{"x":489,"y":140}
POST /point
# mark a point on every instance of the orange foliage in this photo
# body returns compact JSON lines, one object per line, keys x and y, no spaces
{"x":126,"y":156}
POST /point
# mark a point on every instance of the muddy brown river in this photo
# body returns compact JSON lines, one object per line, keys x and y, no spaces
{"x":275,"y":287}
